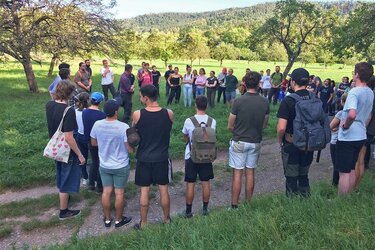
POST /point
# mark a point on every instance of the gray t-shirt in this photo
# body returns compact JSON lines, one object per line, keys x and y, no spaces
{"x":360,"y":99}
{"x":334,"y":135}
{"x":250,"y":110}
{"x":111,"y":138}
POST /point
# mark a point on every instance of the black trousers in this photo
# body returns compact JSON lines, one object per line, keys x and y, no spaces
{"x":105,"y":91}
{"x":221,"y":91}
{"x":274,"y":93}
{"x":167,"y":88}
{"x":127,"y":104}
{"x":175,"y":93}
{"x":94,"y":175}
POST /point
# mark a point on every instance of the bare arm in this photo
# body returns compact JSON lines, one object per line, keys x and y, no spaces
{"x":130,"y":149}
{"x":73,"y":145}
{"x":281,"y":128}
{"x":334,"y":125}
{"x":350,"y":119}
{"x":94,"y":142}
{"x":265,"y":121}
{"x":171,"y":115}
{"x":231,"y":120}
{"x":136,"y":116}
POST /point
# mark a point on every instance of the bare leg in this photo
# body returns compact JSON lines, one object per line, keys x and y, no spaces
{"x":190,"y":192}
{"x":119,"y":203}
{"x":344,"y":184}
{"x":360,"y":167}
{"x":64,"y":199}
{"x":106,"y":202}
{"x":249,"y":183}
{"x":164,"y":201}
{"x":206,"y":191}
{"x":236,"y":185}
{"x":352,"y":180}
{"x":143,"y":202}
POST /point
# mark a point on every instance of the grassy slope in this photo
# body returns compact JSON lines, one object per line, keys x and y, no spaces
{"x":23,"y":129}
{"x":324,"y":221}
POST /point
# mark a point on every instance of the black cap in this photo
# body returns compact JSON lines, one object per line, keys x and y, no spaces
{"x":300,"y":75}
{"x":110,"y":107}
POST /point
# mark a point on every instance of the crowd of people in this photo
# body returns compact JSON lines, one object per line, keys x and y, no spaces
{"x":302,"y":120}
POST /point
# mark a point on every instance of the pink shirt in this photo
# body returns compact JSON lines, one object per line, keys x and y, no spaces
{"x":201,"y":81}
{"x":147,"y":80}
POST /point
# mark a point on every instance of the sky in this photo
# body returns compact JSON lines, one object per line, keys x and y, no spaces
{"x":132,"y":8}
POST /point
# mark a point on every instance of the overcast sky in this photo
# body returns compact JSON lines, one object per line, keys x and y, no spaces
{"x":132,"y":8}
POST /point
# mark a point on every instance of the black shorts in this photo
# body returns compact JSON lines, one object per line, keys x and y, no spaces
{"x":204,"y":170}
{"x":347,"y":154}
{"x":156,"y":173}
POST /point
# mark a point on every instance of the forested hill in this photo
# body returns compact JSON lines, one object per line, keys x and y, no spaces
{"x":231,"y":17}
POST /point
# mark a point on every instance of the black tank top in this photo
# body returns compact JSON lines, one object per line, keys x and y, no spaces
{"x":154,"y":129}
{"x":175,"y":81}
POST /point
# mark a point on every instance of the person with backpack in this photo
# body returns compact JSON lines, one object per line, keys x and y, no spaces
{"x":276,"y":80}
{"x":302,"y":128}
{"x":195,"y":128}
{"x":247,"y":119}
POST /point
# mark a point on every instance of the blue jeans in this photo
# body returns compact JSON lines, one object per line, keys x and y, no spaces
{"x":188,"y":91}
{"x":83,"y":146}
{"x":200,"y":91}
{"x":68,"y":175}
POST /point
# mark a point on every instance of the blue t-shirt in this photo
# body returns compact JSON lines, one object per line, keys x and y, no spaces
{"x":360,"y":99}
{"x":111,"y":138}
{"x":89,"y":117}
{"x":52,"y":87}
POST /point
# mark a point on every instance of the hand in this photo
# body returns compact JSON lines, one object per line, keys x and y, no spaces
{"x":82,"y":160}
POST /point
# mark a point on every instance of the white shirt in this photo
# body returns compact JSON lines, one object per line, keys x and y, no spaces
{"x":108,"y":77}
{"x":189,"y":127}
{"x":266,"y":82}
{"x":79,"y":121}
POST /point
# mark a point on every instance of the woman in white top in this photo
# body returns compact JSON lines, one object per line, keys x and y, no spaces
{"x":188,"y":86}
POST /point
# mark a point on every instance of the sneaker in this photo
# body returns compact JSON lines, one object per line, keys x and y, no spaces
{"x":85,"y":182}
{"x":125,"y":221}
{"x":107,"y":223}
{"x":69,"y":214}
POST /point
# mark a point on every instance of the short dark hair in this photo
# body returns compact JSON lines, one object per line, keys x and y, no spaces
{"x":213,"y":72}
{"x":80,"y":64}
{"x":150,"y":91}
{"x":64,"y":73}
{"x":64,"y":66}
{"x":202,"y":69}
{"x":252,"y":80}
{"x":87,"y":60}
{"x":128,"y":67}
{"x":64,"y":90}
{"x":201,"y":102}
{"x":365,"y":71}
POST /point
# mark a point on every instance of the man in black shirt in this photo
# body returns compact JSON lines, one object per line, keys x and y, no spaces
{"x":88,"y":67}
{"x":296,"y":162}
{"x":166,"y":76}
{"x":156,"y":76}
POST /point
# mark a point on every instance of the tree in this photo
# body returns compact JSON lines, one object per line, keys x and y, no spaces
{"x":192,"y":42}
{"x":293,"y":25}
{"x":126,"y":45}
{"x":248,"y":55}
{"x":224,"y":51}
{"x":167,"y":46}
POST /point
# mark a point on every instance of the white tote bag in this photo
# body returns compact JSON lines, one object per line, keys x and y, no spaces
{"x":57,"y":147}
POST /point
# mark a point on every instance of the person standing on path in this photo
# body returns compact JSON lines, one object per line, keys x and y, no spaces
{"x":126,"y":92}
{"x":108,"y":78}
{"x":247,"y":119}
{"x":231,"y":83}
{"x":221,"y":89}
{"x":203,"y":170}
{"x":68,"y":175}
{"x":109,"y":135}
{"x":152,"y":153}
{"x":276,"y":80}
{"x":211,"y":85}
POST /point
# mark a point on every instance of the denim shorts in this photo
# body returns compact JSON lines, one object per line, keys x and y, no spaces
{"x":243,"y":154}
{"x":114,"y":177}
{"x":68,"y":175}
{"x":230,"y":96}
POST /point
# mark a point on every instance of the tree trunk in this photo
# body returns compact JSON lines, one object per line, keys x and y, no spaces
{"x":191,"y":62}
{"x":52,"y":65}
{"x":221,"y":62}
{"x":289,"y":66}
{"x":28,"y":68}
{"x":199,"y":61}
{"x":165,"y":63}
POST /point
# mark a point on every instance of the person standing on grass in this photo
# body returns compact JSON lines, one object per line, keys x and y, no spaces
{"x":152,"y":153}
{"x":221,"y":81}
{"x":200,"y":83}
{"x":108,"y":78}
{"x":156,"y":76}
{"x":146,"y":76}
{"x":139,"y":73}
{"x":109,"y":135}
{"x":68,"y":175}
{"x":211,"y":84}
{"x":247,"y":119}
{"x":231,"y":83}
{"x":89,"y":117}
{"x":82,"y":79}
{"x":82,"y":104}
{"x":276,"y":80}
{"x":174,"y":82}
{"x":188,"y":86}
{"x":370,"y":130}
{"x":166,"y":76}
{"x":203,"y":170}
{"x":325,"y":94}
{"x":350,"y":145}
{"x":266,"y":83}
{"x":52,"y":87}
{"x":126,"y":92}
{"x":88,"y":67}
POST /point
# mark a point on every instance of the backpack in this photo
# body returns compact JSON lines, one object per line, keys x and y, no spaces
{"x":311,"y":129}
{"x":203,"y":142}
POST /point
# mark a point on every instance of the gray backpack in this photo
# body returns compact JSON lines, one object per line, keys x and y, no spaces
{"x":203,"y":142}
{"x":311,"y":131}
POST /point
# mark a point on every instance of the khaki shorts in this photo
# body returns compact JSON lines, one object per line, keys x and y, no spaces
{"x":243,"y":154}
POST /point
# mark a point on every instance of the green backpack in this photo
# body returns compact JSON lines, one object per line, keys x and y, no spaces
{"x":203,"y":142}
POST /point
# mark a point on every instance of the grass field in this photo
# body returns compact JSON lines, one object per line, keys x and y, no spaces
{"x":23,"y":128}
{"x":323,"y":221}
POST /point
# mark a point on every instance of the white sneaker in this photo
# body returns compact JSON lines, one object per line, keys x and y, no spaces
{"x":85,"y":182}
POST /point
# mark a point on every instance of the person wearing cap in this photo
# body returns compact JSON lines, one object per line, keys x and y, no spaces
{"x":296,"y":162}
{"x":89,"y":117}
{"x":166,"y":76}
{"x":221,"y":89}
{"x":126,"y":92}
{"x":153,"y":165}
{"x":109,"y":135}
{"x":64,"y":74}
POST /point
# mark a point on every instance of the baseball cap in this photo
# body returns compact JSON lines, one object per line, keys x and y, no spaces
{"x":110,"y":107}
{"x":300,"y":75}
{"x":96,"y":97}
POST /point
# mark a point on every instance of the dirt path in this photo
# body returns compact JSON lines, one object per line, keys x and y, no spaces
{"x":268,"y":178}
